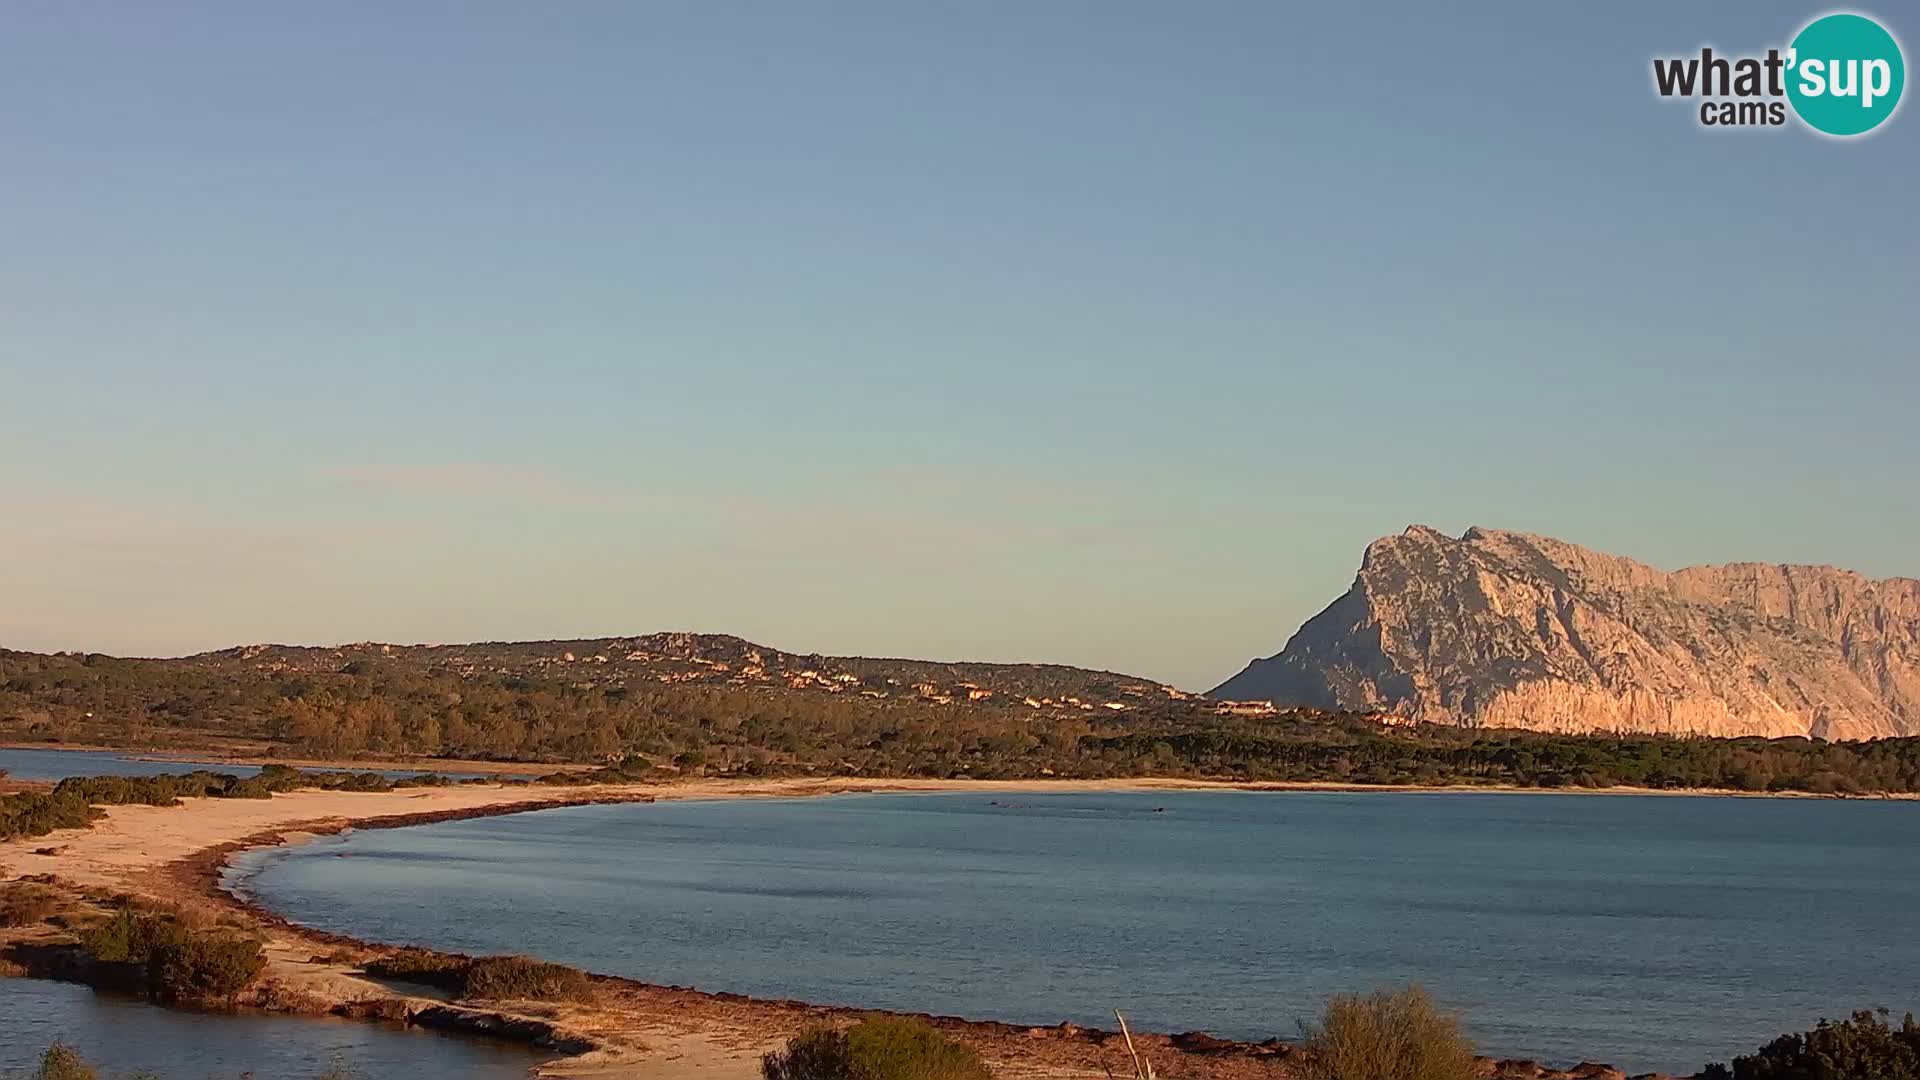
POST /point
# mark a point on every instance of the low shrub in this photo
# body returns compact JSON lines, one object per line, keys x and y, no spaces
{"x":250,"y":788}
{"x":502,"y":977}
{"x":819,"y":1054}
{"x":34,"y":813}
{"x":156,"y":953}
{"x":63,"y":1062}
{"x":213,"y":966}
{"x":1864,"y":1046}
{"x":423,"y":780}
{"x":447,"y":971}
{"x":877,"y":1048}
{"x":526,"y":978}
{"x":131,"y":937}
{"x":628,"y":770}
{"x":1387,"y":1035}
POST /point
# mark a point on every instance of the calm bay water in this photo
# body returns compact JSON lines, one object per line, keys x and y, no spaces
{"x":1655,"y":933}
{"x":60,"y":764}
{"x":126,"y":1036}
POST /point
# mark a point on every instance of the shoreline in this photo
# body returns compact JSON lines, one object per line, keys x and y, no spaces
{"x":641,"y":1028}
{"x":910,"y":783}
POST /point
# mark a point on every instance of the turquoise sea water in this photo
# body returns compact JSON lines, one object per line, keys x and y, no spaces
{"x":1651,"y":932}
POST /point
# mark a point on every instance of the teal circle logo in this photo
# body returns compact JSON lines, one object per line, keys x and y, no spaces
{"x":1845,"y":74}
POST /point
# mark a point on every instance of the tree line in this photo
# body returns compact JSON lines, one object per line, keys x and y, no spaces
{"x":391,"y":710}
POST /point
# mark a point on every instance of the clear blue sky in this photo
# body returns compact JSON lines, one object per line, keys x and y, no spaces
{"x":1099,"y":332}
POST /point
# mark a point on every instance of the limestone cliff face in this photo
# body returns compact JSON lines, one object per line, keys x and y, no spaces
{"x":1506,"y":629}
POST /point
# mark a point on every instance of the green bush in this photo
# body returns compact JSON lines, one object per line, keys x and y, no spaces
{"x":1387,"y":1035}
{"x":424,"y":966}
{"x":33,"y":813}
{"x":214,"y":966}
{"x":819,"y":1054}
{"x":131,"y":937}
{"x":1864,"y":1047}
{"x":156,"y":953}
{"x":525,"y":978}
{"x":878,"y":1048}
{"x":501,"y":977}
{"x":63,"y":1062}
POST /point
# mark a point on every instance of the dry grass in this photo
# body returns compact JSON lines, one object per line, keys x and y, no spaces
{"x":1387,"y":1035}
{"x":25,"y":903}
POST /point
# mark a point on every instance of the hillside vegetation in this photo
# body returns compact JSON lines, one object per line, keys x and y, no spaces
{"x":717,"y":705}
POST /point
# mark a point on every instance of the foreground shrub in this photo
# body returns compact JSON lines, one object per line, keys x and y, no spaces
{"x":819,"y":1054}
{"x":1863,"y":1047}
{"x":157,"y":954}
{"x":1387,"y":1035}
{"x":878,"y":1048}
{"x":525,"y":978}
{"x":63,"y":1062}
{"x":214,"y":966}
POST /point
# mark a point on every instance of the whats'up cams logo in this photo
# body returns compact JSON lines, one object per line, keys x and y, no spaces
{"x":1841,"y":75}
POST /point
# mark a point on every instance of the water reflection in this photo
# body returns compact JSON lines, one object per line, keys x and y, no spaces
{"x":124,"y":1036}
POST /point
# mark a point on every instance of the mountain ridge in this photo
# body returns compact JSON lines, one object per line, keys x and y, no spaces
{"x":1499,"y":628}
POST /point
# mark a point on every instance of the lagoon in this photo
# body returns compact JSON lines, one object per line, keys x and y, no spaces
{"x":1656,"y":933}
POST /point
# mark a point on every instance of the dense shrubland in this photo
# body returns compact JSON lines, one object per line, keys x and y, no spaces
{"x":1863,"y":1047}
